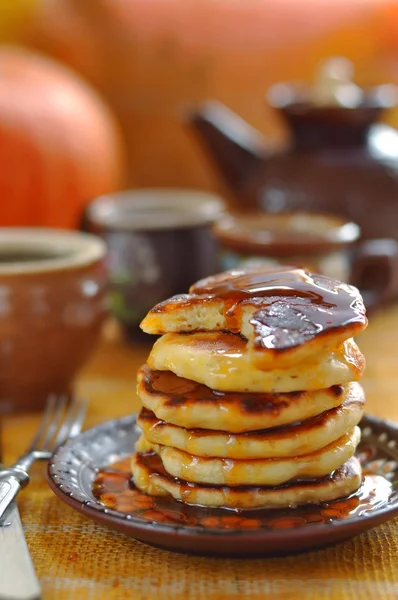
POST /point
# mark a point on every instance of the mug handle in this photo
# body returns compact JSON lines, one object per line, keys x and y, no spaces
{"x":375,"y":271}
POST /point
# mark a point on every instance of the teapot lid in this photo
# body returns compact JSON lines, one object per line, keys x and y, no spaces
{"x":333,"y":88}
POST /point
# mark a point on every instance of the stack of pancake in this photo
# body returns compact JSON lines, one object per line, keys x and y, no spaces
{"x":251,"y":396}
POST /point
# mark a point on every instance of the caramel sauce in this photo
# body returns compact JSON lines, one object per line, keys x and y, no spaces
{"x":275,"y":281}
{"x":179,"y":391}
{"x":296,"y":305}
{"x":114,"y":488}
{"x":279,"y":432}
{"x":233,"y":315}
{"x":153,"y":462}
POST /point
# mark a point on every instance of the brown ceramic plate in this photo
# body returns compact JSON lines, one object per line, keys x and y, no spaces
{"x":90,"y":473}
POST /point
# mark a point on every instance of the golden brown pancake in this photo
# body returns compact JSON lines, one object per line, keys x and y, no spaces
{"x":223,"y":361}
{"x":150,"y":477}
{"x":268,"y":471}
{"x":290,"y":440}
{"x":287,"y":314}
{"x":230,"y":423}
{"x":192,"y":405}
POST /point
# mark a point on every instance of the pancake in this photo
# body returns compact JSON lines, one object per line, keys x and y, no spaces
{"x":192,"y":405}
{"x":287,"y":315}
{"x":269,"y":471}
{"x":222,"y":361}
{"x":294,"y":440}
{"x":150,"y":477}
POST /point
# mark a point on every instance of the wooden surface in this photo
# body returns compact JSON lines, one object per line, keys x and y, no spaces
{"x":77,"y":559}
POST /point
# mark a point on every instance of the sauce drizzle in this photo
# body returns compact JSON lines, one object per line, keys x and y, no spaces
{"x":294,"y":305}
{"x":114,"y":489}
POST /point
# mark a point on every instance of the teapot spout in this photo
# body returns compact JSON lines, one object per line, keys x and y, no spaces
{"x":236,"y":147}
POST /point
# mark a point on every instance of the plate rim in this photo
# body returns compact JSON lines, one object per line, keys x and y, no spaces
{"x":108,"y":516}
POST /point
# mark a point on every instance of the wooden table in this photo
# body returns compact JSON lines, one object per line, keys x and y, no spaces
{"x":76,"y":559}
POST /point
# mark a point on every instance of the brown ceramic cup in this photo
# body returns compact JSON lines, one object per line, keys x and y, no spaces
{"x":322,"y":243}
{"x":52,"y":304}
{"x":159,"y":242}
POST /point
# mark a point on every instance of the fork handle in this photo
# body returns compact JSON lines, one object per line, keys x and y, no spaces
{"x":9,"y":488}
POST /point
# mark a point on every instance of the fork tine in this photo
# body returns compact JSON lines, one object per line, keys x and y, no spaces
{"x":56,"y":420}
{"x":78,"y":422}
{"x":56,"y":423}
{"x":45,"y":421}
{"x":73,"y":421}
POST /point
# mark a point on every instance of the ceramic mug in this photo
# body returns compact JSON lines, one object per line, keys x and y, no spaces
{"x":52,"y":304}
{"x":322,"y":243}
{"x":159,"y":242}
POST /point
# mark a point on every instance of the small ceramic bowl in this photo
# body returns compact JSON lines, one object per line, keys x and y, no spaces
{"x":159,"y":242}
{"x":321,"y":243}
{"x":52,"y":304}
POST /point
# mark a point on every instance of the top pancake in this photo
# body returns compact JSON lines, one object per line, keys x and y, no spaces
{"x":287,"y":314}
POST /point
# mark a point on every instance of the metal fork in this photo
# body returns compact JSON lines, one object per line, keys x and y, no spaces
{"x":59,"y":423}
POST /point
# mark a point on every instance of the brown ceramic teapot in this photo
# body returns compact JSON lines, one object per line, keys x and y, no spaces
{"x":339,"y":160}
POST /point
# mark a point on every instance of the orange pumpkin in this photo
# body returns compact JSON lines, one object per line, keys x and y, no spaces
{"x":59,"y":144}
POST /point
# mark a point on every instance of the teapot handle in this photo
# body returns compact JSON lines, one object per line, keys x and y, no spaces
{"x":375,"y":271}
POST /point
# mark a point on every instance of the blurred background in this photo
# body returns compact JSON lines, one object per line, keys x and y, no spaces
{"x":97,"y":134}
{"x":151,"y":60}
